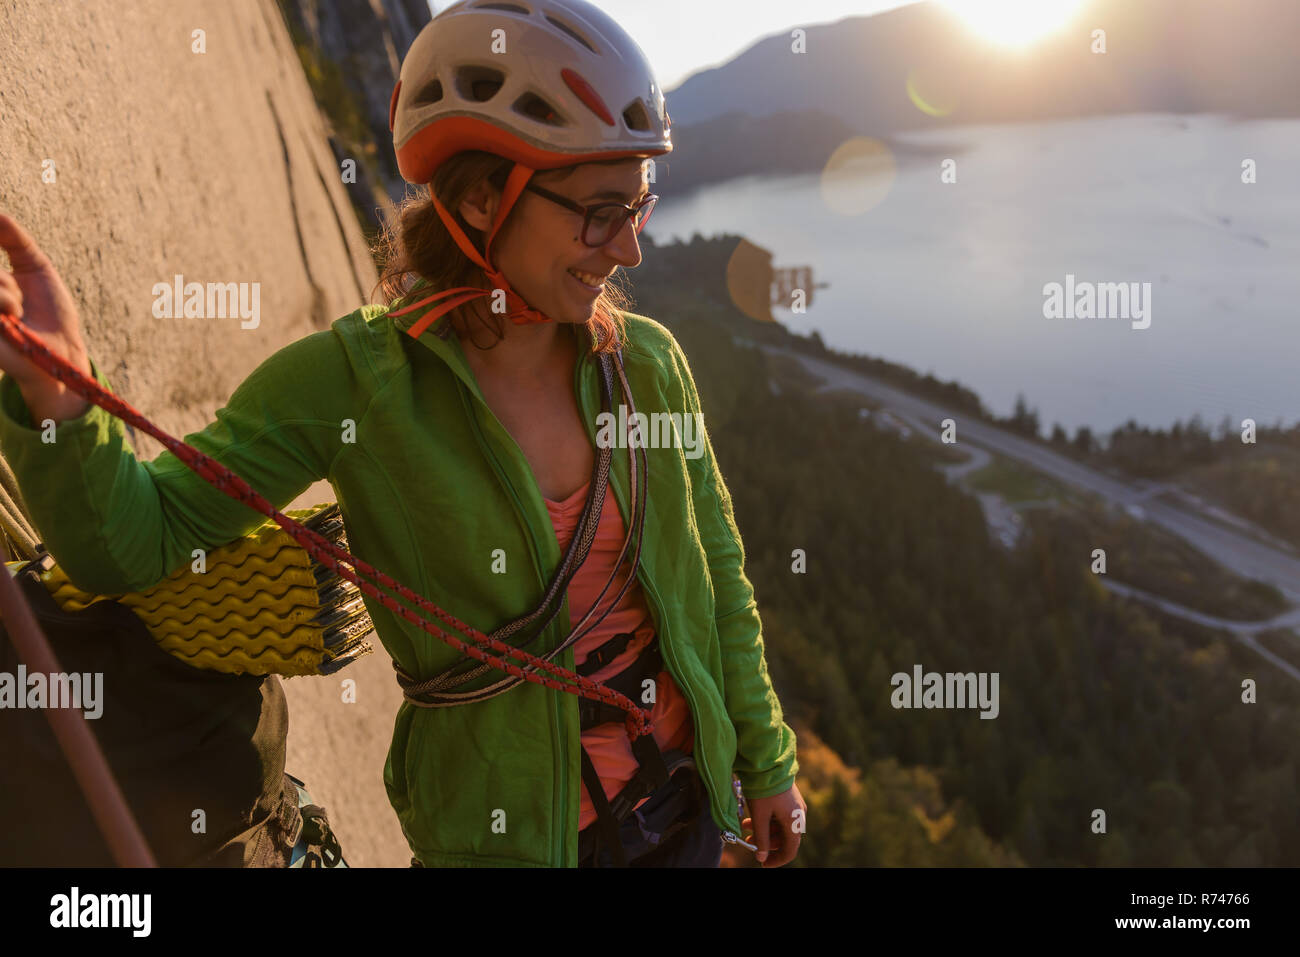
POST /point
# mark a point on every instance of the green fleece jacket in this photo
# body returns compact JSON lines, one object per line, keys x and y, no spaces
{"x":433,"y":491}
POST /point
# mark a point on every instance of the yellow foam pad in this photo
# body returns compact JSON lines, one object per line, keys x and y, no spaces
{"x":260,"y":605}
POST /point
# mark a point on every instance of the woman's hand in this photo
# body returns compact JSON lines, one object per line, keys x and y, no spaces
{"x":774,"y":821}
{"x":34,"y":293}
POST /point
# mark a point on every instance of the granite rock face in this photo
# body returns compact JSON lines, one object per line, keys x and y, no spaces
{"x":159,"y":138}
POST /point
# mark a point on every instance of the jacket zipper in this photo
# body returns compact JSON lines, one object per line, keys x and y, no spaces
{"x":557,"y":859}
{"x":670,"y":659}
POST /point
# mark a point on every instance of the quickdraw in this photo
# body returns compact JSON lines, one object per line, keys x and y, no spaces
{"x":323,"y":550}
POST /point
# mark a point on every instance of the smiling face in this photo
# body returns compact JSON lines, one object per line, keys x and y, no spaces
{"x":540,"y":246}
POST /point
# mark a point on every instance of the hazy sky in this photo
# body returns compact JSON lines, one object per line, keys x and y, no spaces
{"x":682,"y":36}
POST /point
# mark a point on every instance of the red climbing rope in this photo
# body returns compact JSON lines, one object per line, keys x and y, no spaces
{"x":320,"y":548}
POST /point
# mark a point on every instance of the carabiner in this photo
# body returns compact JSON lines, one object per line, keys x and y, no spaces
{"x":740,"y":815}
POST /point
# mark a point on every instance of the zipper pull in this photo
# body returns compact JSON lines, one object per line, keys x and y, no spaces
{"x":732,"y":839}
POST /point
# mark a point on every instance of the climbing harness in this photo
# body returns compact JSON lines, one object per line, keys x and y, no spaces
{"x":260,"y":606}
{"x":652,"y":770}
{"x":674,"y":808}
{"x":321,"y":549}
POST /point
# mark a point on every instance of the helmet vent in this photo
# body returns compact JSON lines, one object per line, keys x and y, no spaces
{"x":560,"y":25}
{"x":533,"y":106}
{"x":479,"y":83}
{"x":636,"y":116}
{"x":504,"y":7}
{"x":431,"y":93}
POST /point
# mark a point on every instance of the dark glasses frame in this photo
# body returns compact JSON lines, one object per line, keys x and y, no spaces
{"x":589,"y":213}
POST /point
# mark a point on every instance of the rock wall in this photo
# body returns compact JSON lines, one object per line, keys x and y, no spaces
{"x":135,"y":149}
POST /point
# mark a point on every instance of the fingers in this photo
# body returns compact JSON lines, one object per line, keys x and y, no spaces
{"x":787,"y":843}
{"x":24,"y":254}
{"x":11,"y":297}
{"x":776,"y":839}
{"x":761,"y":822}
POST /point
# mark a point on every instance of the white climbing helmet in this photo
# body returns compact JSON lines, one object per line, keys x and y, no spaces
{"x":546,"y":83}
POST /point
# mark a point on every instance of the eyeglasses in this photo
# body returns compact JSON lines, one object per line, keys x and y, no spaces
{"x":602,"y":222}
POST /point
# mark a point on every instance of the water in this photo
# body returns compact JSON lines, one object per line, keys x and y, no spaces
{"x":949,"y":278}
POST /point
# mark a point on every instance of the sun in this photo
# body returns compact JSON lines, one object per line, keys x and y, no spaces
{"x":1015,"y":23}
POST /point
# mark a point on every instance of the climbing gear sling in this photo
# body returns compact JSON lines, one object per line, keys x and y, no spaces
{"x":652,"y":770}
{"x":434,"y":692}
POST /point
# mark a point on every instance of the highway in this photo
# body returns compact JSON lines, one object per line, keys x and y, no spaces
{"x":1229,"y":540}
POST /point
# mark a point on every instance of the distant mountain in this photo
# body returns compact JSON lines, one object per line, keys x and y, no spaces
{"x":737,"y":144}
{"x":792,"y":141}
{"x":1163,"y":55}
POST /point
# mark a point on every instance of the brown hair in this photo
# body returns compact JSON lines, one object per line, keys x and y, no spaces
{"x":415,"y":244}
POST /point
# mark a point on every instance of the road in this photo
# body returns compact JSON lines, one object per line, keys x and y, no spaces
{"x":1245,"y":632}
{"x":1228,"y":539}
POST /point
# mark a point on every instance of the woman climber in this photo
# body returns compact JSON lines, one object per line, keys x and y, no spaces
{"x":475,"y":471}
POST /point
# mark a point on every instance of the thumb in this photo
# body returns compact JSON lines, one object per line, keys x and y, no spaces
{"x":24,"y":254}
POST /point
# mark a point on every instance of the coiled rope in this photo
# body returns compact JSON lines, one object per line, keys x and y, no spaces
{"x":18,"y":535}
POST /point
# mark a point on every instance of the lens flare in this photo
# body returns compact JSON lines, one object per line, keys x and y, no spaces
{"x":858,"y":176}
{"x":931,"y":92}
{"x":1014,"y":23}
